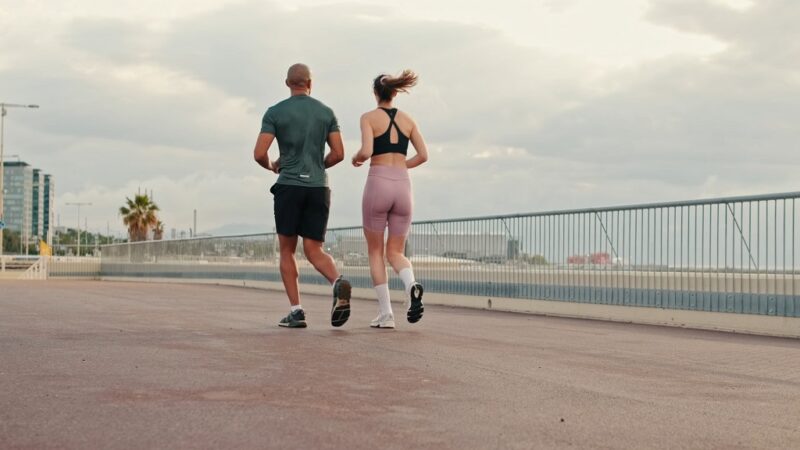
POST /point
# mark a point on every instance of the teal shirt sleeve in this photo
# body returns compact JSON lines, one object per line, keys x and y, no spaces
{"x":334,"y":126}
{"x":268,"y":124}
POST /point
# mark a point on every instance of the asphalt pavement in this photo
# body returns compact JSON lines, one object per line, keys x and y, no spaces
{"x":90,"y":364}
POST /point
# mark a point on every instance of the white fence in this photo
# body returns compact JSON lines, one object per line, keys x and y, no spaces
{"x":20,"y":267}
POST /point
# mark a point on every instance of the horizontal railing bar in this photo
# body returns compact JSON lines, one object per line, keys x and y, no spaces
{"x":673,"y":204}
{"x":642,"y":206}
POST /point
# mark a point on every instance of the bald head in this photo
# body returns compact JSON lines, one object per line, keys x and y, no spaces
{"x":298,"y":76}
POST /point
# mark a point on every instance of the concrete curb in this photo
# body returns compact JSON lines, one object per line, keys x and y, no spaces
{"x":702,"y":320}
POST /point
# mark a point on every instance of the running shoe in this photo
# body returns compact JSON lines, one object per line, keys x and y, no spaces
{"x":295,"y":319}
{"x":340,"y":311}
{"x":383,"y":321}
{"x":415,"y":307}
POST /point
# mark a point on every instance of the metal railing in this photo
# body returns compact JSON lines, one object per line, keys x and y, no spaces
{"x":73,"y":267}
{"x":736,"y":255}
{"x":43,"y":267}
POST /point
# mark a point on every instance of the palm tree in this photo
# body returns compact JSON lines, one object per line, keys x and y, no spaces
{"x":139,"y":215}
{"x":158,"y":231}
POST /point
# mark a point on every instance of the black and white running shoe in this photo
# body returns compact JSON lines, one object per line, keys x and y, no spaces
{"x":340,"y":311}
{"x":415,"y":307}
{"x":295,"y":319}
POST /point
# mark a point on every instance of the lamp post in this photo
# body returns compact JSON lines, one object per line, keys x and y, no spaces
{"x":79,"y":204}
{"x":3,"y":112}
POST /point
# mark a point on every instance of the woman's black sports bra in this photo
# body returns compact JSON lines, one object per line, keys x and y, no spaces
{"x":383,"y":143}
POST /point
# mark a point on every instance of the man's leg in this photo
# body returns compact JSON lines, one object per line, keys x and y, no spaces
{"x":321,"y":261}
{"x":289,"y":273}
{"x":287,"y":203}
{"x":313,"y":225}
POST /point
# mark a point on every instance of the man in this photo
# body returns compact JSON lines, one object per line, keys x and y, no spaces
{"x":302,"y":125}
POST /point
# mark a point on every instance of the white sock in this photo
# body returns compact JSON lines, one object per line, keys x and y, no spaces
{"x":384,"y":302}
{"x":296,"y":307}
{"x":407,"y":275}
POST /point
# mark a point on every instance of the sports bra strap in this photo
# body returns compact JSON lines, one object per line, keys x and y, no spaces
{"x":392,"y":113}
{"x":383,"y":144}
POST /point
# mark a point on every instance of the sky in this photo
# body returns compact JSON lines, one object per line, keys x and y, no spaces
{"x":526,"y":105}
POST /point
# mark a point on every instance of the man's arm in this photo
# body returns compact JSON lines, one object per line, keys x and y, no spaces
{"x":336,"y":155}
{"x":261,"y":152}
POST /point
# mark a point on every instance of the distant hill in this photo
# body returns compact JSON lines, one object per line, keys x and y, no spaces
{"x":233,"y":229}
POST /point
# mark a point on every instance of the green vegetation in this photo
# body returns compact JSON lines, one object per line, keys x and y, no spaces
{"x":12,"y":242}
{"x":536,"y":260}
{"x":66,"y":243}
{"x":140,"y":215}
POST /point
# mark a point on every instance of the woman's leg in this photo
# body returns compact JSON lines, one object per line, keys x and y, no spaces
{"x":399,"y":224}
{"x":399,"y":221}
{"x":377,"y":267}
{"x":395,"y":253}
{"x":374,"y":208}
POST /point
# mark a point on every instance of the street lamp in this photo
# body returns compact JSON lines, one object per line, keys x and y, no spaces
{"x":3,"y":112}
{"x":79,"y":204}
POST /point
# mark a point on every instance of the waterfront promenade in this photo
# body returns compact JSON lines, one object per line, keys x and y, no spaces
{"x":88,"y":364}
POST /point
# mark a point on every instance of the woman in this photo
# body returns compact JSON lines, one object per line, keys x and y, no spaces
{"x":385,"y":134}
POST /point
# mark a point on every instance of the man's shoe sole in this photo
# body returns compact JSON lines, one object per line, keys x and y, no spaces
{"x":416,"y":308}
{"x":341,"y":304}
{"x":293,"y":325}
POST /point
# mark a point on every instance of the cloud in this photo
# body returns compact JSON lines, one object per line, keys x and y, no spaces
{"x":763,"y":34}
{"x":129,"y":100}
{"x":174,"y":105}
{"x":684,"y":121}
{"x":467,"y":71}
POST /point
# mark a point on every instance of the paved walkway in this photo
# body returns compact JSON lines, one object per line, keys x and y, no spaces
{"x":126,"y":365}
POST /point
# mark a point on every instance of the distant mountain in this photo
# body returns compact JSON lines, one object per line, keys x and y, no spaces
{"x":232,"y":229}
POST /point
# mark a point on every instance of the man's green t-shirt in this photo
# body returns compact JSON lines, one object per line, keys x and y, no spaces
{"x":301,"y":125}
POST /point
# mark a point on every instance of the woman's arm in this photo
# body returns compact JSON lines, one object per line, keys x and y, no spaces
{"x":419,"y":145}
{"x":366,"y":143}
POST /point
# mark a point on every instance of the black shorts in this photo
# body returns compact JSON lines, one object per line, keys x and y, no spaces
{"x":301,"y":211}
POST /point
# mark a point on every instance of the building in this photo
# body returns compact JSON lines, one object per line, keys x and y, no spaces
{"x":37,"y":205}
{"x":29,"y":202}
{"x":18,"y":198}
{"x":49,"y":210}
{"x":489,"y":247}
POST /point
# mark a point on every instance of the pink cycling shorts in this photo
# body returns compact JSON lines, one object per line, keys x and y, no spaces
{"x":387,"y":200}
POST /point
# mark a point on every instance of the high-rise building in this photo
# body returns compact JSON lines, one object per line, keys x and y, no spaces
{"x":49,"y":209}
{"x":29,"y":202}
{"x":18,"y":196}
{"x":37,"y":205}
